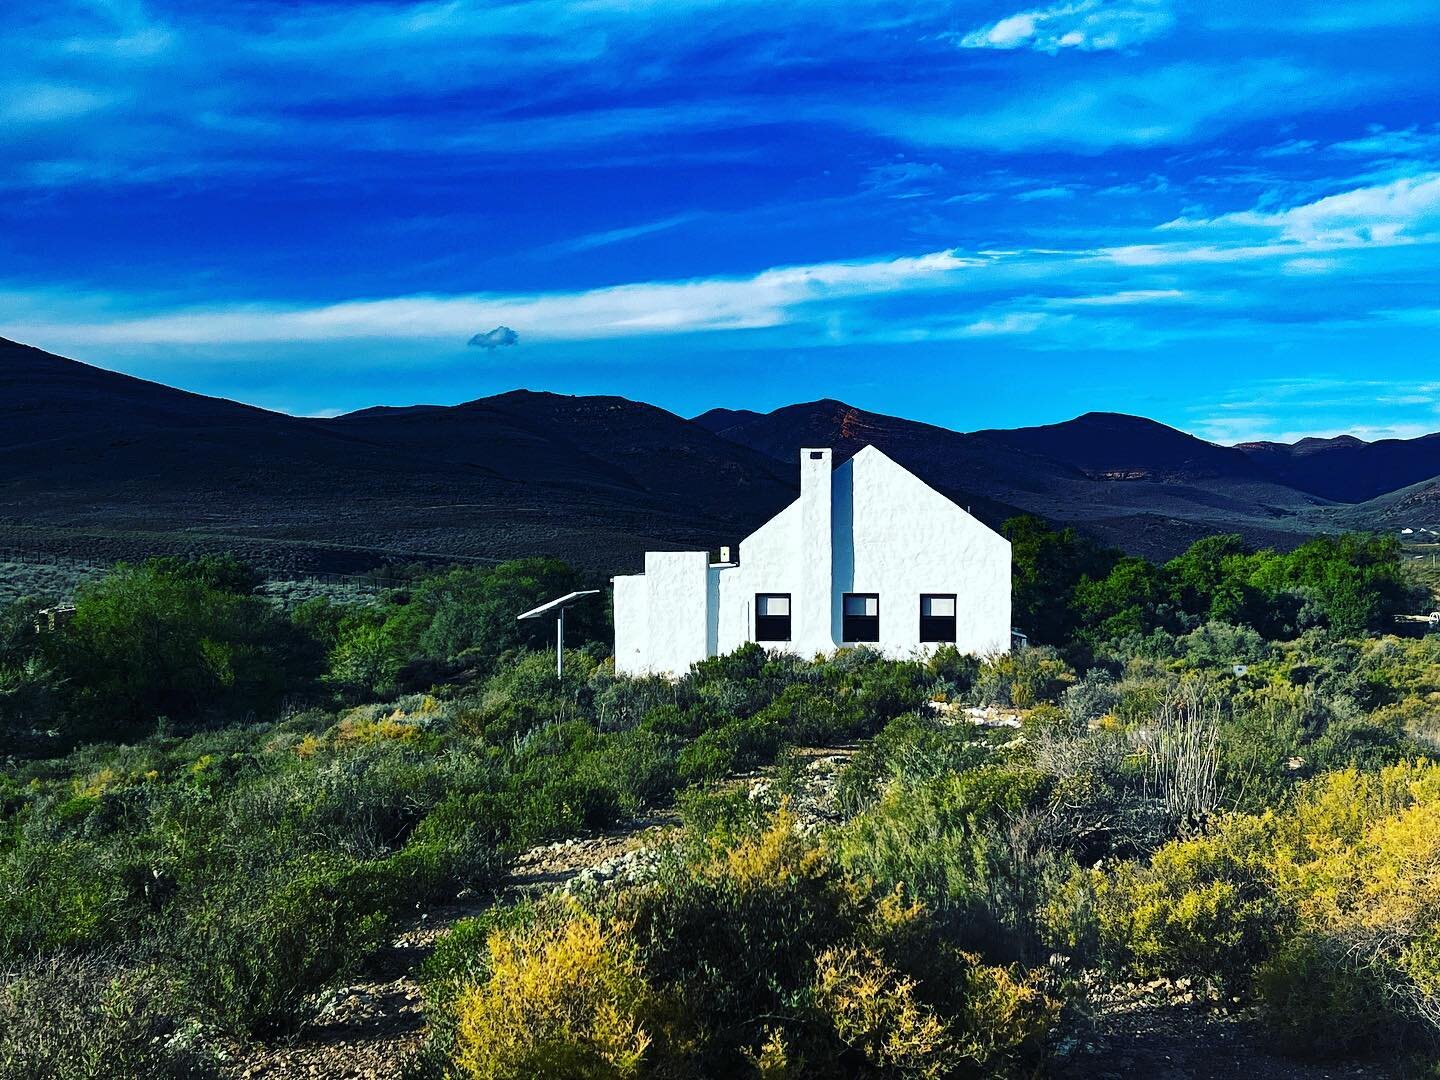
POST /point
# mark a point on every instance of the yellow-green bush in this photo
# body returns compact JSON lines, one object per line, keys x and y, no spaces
{"x":1023,"y":678}
{"x":756,"y":954}
{"x":1004,"y":1016}
{"x":875,"y":1010}
{"x":1205,"y":906}
{"x":565,"y":1000}
{"x":1332,"y":905}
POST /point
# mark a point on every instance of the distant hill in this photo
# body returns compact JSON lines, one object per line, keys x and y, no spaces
{"x":96,"y":463}
{"x":1130,"y":481}
{"x":1348,"y":469}
{"x":1114,"y":446}
{"x":718,"y":420}
{"x":102,"y":465}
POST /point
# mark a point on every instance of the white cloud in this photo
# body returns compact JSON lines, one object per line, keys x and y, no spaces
{"x":771,"y":298}
{"x":1014,"y":322}
{"x":1056,"y":191}
{"x":607,"y":237}
{"x":1153,"y":105}
{"x":1401,"y":211}
{"x":1088,"y":25}
{"x":1230,"y":430}
{"x":46,"y":103}
{"x":1124,"y":298}
{"x":1411,"y":142}
{"x":1308,"y":266}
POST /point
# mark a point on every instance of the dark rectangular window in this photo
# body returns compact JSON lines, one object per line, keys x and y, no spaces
{"x":861,"y":617}
{"x":772,"y":616}
{"x":937,"y":617}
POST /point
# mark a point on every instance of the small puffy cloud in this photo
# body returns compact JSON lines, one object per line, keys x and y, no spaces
{"x":498,"y":338}
{"x":1087,"y":25}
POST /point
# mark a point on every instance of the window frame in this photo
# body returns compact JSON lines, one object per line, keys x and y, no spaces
{"x":773,"y":620}
{"x":870,"y":623}
{"x":925,"y":638}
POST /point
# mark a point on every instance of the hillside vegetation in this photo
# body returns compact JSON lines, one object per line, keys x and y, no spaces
{"x":1219,"y":770}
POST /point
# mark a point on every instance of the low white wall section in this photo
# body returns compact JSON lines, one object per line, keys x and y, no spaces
{"x":632,"y":621}
{"x":678,"y":619}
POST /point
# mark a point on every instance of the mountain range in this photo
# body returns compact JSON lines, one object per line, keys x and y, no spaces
{"x":101,"y":465}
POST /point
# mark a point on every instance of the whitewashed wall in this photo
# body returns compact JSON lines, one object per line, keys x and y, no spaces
{"x":869,"y":526}
{"x":632,"y":624}
{"x":665,"y":614}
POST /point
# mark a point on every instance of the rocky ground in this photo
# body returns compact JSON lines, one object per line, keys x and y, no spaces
{"x":1164,"y":1031}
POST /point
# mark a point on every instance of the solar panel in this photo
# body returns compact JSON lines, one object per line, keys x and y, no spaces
{"x":554,"y":605}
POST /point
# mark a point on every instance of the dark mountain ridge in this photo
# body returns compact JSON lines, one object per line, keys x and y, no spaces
{"x":1347,"y":469}
{"x":97,"y":463}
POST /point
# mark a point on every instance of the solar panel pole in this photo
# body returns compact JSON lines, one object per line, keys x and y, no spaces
{"x":560,"y":645}
{"x":558,"y":606}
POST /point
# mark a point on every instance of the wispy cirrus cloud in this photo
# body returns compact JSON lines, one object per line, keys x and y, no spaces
{"x":228,"y":185}
{"x":1079,"y":294}
{"x":770,"y":298}
{"x":1164,"y":104}
{"x":1086,"y":25}
{"x":1402,"y":211}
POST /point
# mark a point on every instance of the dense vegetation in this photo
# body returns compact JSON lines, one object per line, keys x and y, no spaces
{"x":218,"y":804}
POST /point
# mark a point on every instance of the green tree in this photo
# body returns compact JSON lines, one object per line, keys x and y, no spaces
{"x":1210,"y":580}
{"x":176,"y":639}
{"x":1130,"y":599}
{"x":472,"y":611}
{"x":1046,"y":566}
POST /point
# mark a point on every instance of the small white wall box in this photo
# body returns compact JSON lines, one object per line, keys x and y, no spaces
{"x":868,"y":554}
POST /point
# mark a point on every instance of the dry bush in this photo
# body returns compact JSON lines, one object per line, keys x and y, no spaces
{"x":1182,"y":752}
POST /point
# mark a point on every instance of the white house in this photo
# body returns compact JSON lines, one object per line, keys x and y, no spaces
{"x":868,"y":554}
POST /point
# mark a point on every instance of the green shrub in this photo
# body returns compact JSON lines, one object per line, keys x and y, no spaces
{"x":912,"y":747}
{"x":758,"y":950}
{"x":952,"y":843}
{"x":1319,"y":1001}
{"x":76,"y":1018}
{"x":730,"y":749}
{"x":177,"y":639}
{"x":68,"y":894}
{"x":1023,"y":678}
{"x":248,"y":954}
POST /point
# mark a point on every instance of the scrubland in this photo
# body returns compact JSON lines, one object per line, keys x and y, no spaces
{"x":1221,"y":770}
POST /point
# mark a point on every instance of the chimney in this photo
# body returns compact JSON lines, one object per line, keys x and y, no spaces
{"x":725,"y":553}
{"x":812,"y":611}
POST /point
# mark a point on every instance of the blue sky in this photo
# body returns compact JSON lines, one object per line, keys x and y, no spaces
{"x":1222,"y":214}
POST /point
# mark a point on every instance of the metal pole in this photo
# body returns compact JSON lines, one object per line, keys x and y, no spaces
{"x":560,"y":645}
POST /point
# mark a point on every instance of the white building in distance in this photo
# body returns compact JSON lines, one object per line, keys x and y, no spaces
{"x":869,"y":554}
